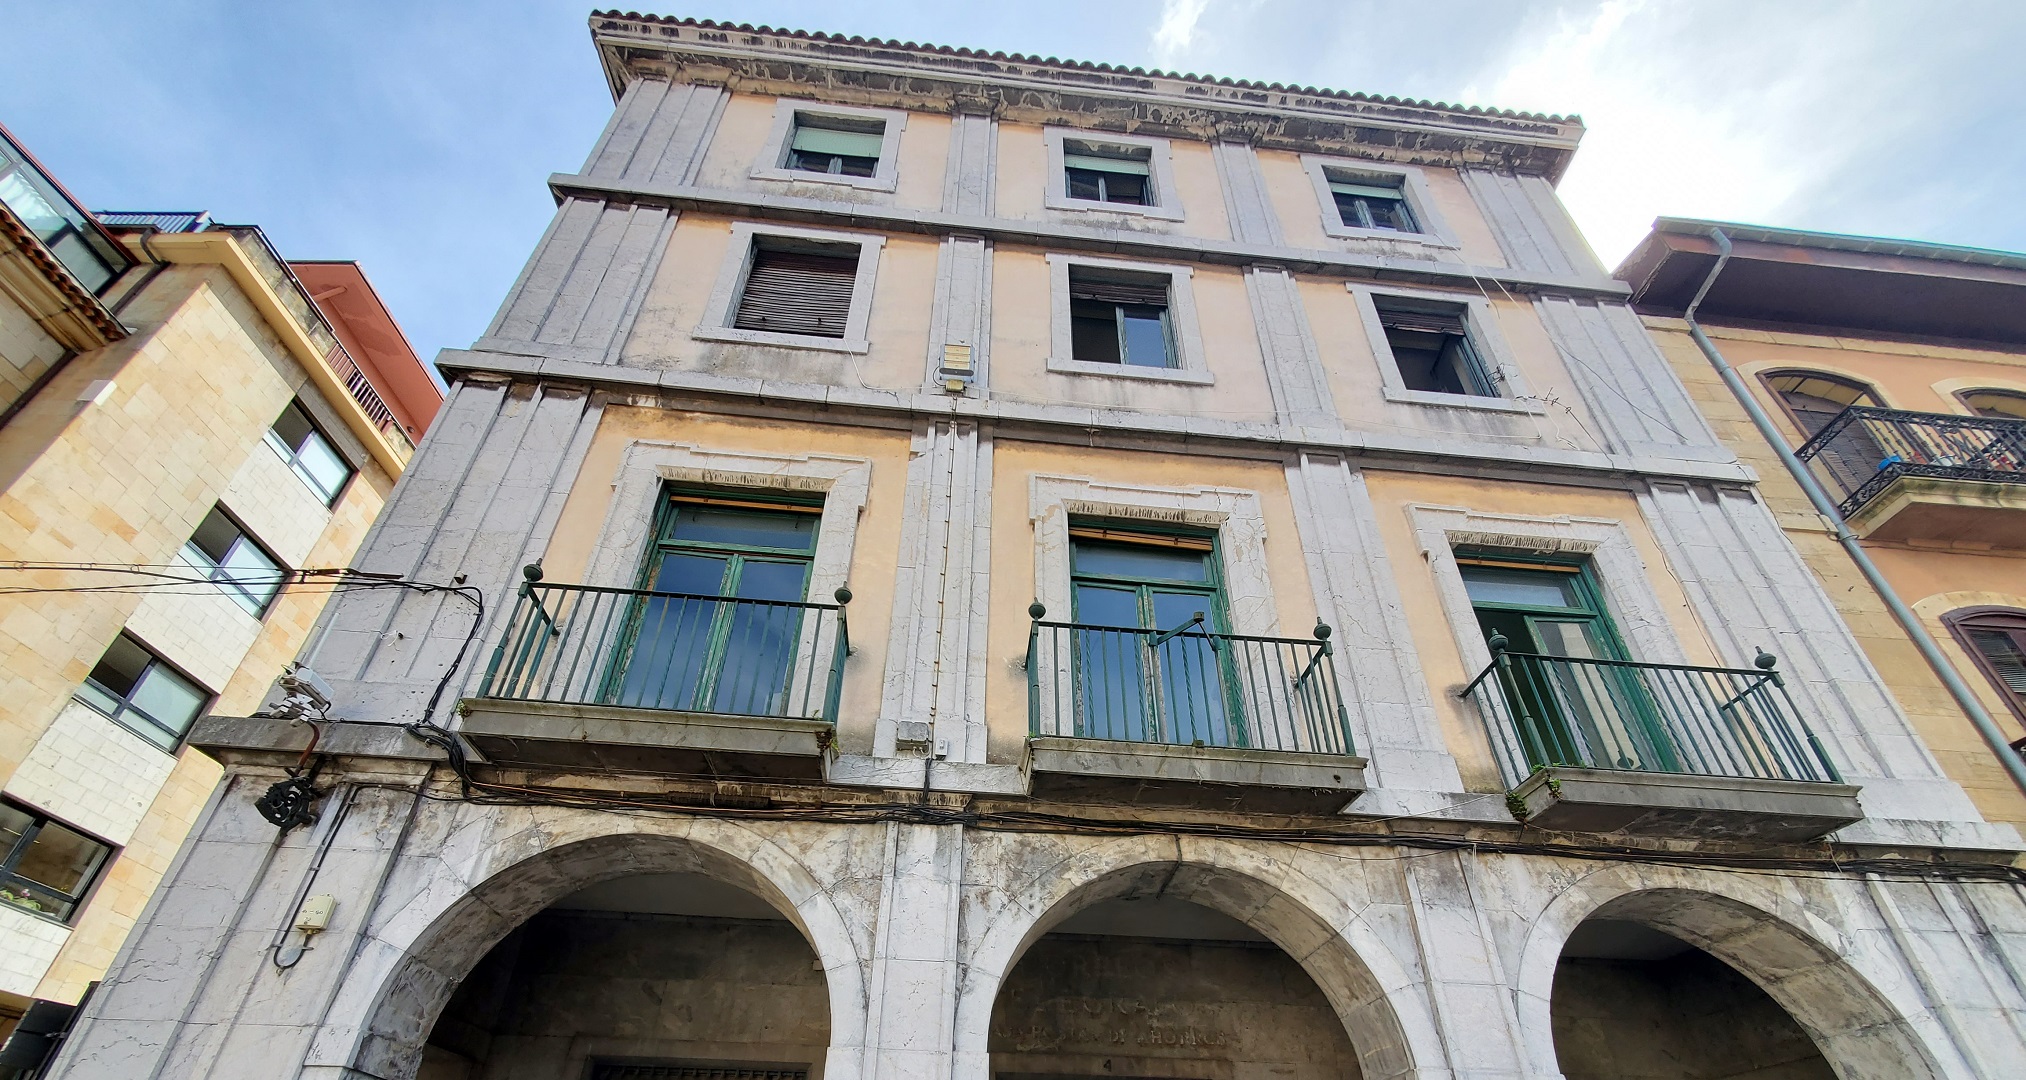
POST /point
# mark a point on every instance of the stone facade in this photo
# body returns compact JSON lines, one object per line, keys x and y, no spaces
{"x":900,"y":875}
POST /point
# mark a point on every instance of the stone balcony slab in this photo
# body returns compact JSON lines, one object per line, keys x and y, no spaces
{"x":1195,"y":777}
{"x":1677,"y":805}
{"x":604,"y":738}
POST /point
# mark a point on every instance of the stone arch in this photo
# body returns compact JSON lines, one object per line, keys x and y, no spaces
{"x":1801,"y":961}
{"x":440,"y":952}
{"x":1315,"y":925}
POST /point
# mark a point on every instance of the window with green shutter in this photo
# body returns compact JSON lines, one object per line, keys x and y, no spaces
{"x":1108,"y":174}
{"x":837,"y":146}
{"x":1370,"y":204}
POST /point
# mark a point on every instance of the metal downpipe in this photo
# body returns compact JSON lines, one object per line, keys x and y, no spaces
{"x":1966,"y":699}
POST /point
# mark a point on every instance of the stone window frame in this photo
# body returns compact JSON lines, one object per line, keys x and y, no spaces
{"x":648,"y":466}
{"x":1192,"y":363}
{"x":716,"y":324}
{"x":1630,"y":600}
{"x":1160,"y":170}
{"x":1413,"y":183}
{"x":1480,"y":321}
{"x":1236,"y":515}
{"x":772,"y":164}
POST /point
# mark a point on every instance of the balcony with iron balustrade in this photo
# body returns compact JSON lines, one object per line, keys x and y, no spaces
{"x":1617,"y":746}
{"x":1186,"y":717}
{"x":597,"y":679}
{"x":1904,"y":475}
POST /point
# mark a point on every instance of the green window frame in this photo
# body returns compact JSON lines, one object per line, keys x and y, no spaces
{"x":719,"y":625}
{"x":1555,"y":607}
{"x":835,"y":146}
{"x":1145,"y":602}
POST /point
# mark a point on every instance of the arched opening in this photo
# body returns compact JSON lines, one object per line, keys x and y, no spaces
{"x":1166,"y":969}
{"x":1632,"y":1001}
{"x":1813,"y":398}
{"x":1994,"y":404}
{"x":646,"y":977}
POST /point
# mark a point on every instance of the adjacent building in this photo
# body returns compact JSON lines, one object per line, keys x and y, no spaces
{"x":189,"y":441}
{"x":1896,"y":371}
{"x":950,"y":565}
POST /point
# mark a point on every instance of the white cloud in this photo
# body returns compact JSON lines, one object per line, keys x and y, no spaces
{"x":1177,"y":29}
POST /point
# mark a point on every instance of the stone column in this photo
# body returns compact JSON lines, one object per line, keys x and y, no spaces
{"x":913,"y":989}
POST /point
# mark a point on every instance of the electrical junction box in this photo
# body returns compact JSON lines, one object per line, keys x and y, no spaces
{"x":315,"y":914}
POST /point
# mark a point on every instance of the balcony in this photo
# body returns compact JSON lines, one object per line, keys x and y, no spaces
{"x":1925,"y":476}
{"x":1185,"y":717}
{"x":627,"y":680}
{"x":1657,"y":749}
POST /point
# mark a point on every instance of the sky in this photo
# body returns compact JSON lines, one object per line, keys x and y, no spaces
{"x":415,"y":136}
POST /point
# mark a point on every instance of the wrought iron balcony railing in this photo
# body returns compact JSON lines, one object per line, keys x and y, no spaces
{"x":1631,"y":717}
{"x":1864,"y":449}
{"x":1184,"y":686}
{"x":579,"y":644}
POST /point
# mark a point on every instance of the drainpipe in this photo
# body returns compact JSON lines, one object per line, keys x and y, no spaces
{"x":2015,"y":765}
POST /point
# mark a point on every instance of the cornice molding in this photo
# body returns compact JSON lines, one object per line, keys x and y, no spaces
{"x":59,"y":303}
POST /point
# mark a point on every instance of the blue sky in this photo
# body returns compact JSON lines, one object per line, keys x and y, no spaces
{"x":414,"y":137}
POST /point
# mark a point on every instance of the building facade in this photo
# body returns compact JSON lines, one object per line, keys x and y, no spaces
{"x":179,"y":439}
{"x":950,"y":564}
{"x":1895,"y":371}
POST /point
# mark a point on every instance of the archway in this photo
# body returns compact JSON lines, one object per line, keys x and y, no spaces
{"x":1674,"y":982}
{"x":632,"y":956}
{"x":1152,"y":958}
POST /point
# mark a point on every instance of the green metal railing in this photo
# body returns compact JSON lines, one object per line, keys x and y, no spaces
{"x":1626,"y":716}
{"x":1184,"y":686}
{"x":685,"y":652}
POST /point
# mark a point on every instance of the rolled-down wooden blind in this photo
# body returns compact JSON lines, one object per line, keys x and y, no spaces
{"x":2001,"y":651}
{"x":794,"y":292}
{"x":1152,"y":292}
{"x":1427,"y":322}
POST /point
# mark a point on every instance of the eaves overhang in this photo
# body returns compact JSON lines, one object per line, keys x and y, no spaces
{"x":1832,"y":283}
{"x":873,"y":71}
{"x":41,"y":284}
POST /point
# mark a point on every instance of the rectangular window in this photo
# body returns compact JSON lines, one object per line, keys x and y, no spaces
{"x":1147,"y":670}
{"x":835,"y":145}
{"x":243,"y":569}
{"x":144,"y":695}
{"x":308,"y":453}
{"x":46,"y":867}
{"x":798,"y":287}
{"x":1112,"y":174}
{"x":721,"y":630}
{"x":1368,"y":204}
{"x":1119,"y":317}
{"x":1431,"y":346}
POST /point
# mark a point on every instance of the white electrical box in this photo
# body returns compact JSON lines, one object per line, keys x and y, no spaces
{"x":315,"y":914}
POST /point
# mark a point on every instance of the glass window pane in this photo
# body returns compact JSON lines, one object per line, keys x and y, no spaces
{"x":168,"y":699}
{"x":784,"y":530}
{"x":291,"y":427}
{"x":1137,"y":561}
{"x":121,"y":666}
{"x":702,"y":575}
{"x":1101,"y":605}
{"x":13,"y":823}
{"x":766,"y":580}
{"x":1093,"y":332}
{"x":1146,"y":334}
{"x":323,"y":467}
{"x":61,"y":858}
{"x":1528,"y":588}
{"x":857,"y":166}
{"x":1083,"y":184}
{"x":249,"y":568}
{"x":1565,"y":637}
{"x":1124,"y":188}
{"x":214,"y":537}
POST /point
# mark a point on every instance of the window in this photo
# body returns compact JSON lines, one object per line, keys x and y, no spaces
{"x":1131,"y":174}
{"x":46,"y":866}
{"x":1432,"y":348}
{"x":1996,"y":404}
{"x":792,"y":287}
{"x":1173,"y":685}
{"x":243,"y":570}
{"x":1996,"y":639}
{"x":1110,"y":174}
{"x":146,"y":696}
{"x":1813,"y":399}
{"x":1372,"y":205}
{"x":691,"y":650}
{"x":1576,"y":713}
{"x":308,"y":453}
{"x":1119,"y":317}
{"x":835,"y":145}
{"x":798,"y":288}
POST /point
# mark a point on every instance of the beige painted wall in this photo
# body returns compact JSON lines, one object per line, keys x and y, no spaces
{"x":1931,"y":579}
{"x":679,"y":298}
{"x":1014,"y":464}
{"x":875,"y":554}
{"x":125,"y":482}
{"x":1434,"y":639}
